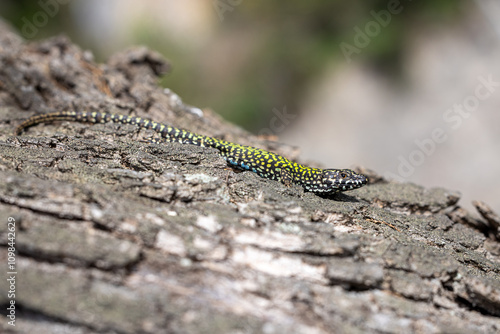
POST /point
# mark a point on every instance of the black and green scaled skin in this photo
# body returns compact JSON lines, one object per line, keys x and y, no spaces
{"x":266,"y":164}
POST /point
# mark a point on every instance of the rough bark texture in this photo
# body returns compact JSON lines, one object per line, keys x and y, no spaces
{"x":118,"y":236}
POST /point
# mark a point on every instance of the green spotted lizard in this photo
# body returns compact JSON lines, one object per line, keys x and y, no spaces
{"x":266,"y":164}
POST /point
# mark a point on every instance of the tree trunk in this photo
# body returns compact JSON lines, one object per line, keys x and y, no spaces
{"x":115,"y":235}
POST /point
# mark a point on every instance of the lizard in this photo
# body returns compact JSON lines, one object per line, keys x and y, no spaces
{"x":266,"y":164}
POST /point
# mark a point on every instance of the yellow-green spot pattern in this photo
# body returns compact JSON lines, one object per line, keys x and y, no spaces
{"x":264,"y":163}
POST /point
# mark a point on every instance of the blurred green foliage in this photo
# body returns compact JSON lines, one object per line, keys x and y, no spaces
{"x":292,"y":43}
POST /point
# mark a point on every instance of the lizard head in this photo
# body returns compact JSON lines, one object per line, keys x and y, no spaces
{"x":334,"y":180}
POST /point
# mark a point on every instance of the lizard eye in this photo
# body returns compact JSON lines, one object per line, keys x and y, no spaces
{"x":343,"y":175}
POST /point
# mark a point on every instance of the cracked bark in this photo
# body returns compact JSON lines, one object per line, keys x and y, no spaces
{"x":118,"y":236}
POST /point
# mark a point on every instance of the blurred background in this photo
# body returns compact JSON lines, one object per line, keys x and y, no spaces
{"x":410,"y":89}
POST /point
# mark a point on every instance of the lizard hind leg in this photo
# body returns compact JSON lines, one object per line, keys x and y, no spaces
{"x":286,"y":177}
{"x":152,"y":140}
